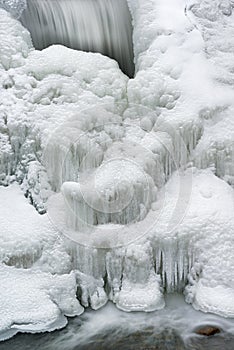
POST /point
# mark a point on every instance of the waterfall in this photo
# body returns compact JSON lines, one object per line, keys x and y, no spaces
{"x":90,"y":25}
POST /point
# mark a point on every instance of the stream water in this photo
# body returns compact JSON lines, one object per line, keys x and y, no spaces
{"x":172,"y":328}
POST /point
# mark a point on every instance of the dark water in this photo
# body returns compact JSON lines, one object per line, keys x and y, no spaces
{"x":87,"y":25}
{"x":110,"y":329}
{"x":144,"y":339}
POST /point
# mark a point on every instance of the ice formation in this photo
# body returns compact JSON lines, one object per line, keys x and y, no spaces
{"x":15,"y":7}
{"x":136,"y":174}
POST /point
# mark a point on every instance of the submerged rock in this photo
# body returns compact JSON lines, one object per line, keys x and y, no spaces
{"x":208,"y":331}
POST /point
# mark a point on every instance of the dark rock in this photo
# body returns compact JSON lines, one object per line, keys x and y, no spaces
{"x":208,"y":331}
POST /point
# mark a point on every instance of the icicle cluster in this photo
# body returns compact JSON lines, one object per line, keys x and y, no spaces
{"x":133,"y":277}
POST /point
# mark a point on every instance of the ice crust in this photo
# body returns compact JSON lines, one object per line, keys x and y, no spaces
{"x":68,"y":119}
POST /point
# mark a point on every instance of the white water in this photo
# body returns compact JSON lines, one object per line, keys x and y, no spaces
{"x":88,"y":25}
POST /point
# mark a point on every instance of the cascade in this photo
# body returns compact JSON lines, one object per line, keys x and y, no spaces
{"x":87,"y":25}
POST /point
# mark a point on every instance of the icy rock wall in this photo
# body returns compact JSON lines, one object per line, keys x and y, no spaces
{"x":84,"y":207}
{"x":46,"y":97}
{"x":80,"y":143}
{"x":38,"y":93}
{"x":165,"y":44}
{"x":169,"y":258}
{"x":216,"y":147}
{"x":168,"y":139}
{"x":67,"y":133}
{"x":215,"y":22}
{"x":166,"y":61}
{"x":15,"y":45}
{"x":187,"y":257}
{"x":183,"y":50}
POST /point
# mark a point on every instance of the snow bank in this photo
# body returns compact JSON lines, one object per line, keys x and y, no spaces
{"x":37,"y":289}
{"x":35,"y":301}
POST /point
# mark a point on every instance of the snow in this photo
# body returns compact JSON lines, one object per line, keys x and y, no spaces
{"x":180,"y":243}
{"x":40,"y":94}
{"x":205,"y":227}
{"x":140,"y":289}
{"x":135,"y":174}
{"x":34,"y":301}
{"x":215,"y":22}
{"x":30,"y":237}
{"x":37,"y":289}
{"x":15,"y":43}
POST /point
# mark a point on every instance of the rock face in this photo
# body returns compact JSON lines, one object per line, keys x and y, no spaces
{"x":208,"y":331}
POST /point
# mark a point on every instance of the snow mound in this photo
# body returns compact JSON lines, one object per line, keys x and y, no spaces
{"x":34,"y":301}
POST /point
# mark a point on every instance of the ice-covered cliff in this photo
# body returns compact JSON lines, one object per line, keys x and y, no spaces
{"x":135,"y":174}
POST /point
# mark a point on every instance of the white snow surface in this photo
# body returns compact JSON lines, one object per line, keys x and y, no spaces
{"x":70,"y":119}
{"x":37,"y":288}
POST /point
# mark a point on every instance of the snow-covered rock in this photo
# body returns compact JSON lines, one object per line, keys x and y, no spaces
{"x":37,"y":289}
{"x":48,"y":89}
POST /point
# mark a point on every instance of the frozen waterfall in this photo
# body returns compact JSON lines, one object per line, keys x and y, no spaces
{"x":132,"y":175}
{"x":88,"y":25}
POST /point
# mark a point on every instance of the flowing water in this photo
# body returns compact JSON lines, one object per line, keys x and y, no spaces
{"x":88,"y":25}
{"x":172,"y":328}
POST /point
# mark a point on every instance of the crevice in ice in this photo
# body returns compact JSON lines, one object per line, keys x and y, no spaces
{"x":96,"y":26}
{"x":173,"y":264}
